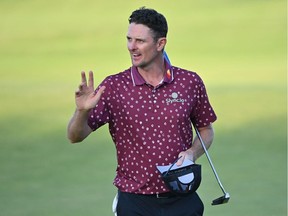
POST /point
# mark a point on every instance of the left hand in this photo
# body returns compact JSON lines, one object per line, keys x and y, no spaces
{"x":188,"y":154}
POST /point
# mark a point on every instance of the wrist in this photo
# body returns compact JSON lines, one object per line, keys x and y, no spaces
{"x":190,"y":154}
{"x":81,"y":114}
{"x":82,"y":111}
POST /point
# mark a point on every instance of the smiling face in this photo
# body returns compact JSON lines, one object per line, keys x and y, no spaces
{"x":143,"y":48}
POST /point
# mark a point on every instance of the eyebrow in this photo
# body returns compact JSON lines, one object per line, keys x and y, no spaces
{"x":137,"y":38}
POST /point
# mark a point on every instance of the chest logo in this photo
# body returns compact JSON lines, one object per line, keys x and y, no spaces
{"x":174,"y":98}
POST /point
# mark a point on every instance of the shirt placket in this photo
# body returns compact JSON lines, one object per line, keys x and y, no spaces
{"x":154,"y":100}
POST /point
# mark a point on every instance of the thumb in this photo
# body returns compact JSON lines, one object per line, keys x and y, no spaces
{"x":181,"y":157}
{"x":101,"y":90}
{"x":99,"y":94}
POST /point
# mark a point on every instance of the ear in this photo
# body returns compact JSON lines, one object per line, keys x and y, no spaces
{"x":161,"y":43}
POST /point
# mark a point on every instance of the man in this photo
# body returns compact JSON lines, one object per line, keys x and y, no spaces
{"x":150,"y":108}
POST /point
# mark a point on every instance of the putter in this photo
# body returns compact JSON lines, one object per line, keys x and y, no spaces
{"x":166,"y":57}
{"x":225,"y":198}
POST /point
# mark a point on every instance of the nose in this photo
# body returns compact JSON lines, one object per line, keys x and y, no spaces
{"x":131,"y":45}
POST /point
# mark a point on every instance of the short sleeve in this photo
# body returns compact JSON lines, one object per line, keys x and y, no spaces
{"x":202,"y":114}
{"x":99,"y":115}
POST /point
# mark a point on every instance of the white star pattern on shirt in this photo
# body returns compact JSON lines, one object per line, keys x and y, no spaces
{"x":150,"y":126}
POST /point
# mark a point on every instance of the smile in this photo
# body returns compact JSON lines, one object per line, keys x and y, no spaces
{"x":136,"y":55}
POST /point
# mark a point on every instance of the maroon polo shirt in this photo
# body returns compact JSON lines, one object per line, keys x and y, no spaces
{"x":148,"y":125}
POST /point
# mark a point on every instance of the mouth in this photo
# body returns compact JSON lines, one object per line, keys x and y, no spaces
{"x":135,"y":56}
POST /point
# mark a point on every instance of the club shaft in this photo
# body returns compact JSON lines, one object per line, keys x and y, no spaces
{"x":209,"y":160}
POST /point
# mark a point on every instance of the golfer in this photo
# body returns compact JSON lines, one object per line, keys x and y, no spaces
{"x":150,"y":108}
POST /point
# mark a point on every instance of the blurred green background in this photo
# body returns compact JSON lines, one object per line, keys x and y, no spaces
{"x":237,"y":47}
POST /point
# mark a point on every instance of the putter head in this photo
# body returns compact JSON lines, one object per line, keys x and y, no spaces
{"x":221,"y":200}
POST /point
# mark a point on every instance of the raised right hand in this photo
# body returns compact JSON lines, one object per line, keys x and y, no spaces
{"x":85,"y":96}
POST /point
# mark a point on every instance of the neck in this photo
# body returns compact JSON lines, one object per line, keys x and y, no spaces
{"x":153,"y":74}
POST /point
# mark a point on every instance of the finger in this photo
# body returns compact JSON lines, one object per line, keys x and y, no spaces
{"x":101,"y":90}
{"x":181,"y":157}
{"x":91,"y":80}
{"x":81,"y":87}
{"x":99,"y":93}
{"x":77,"y":93}
{"x":83,"y":76}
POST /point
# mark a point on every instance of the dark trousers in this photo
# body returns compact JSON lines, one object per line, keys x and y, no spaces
{"x":146,"y":205}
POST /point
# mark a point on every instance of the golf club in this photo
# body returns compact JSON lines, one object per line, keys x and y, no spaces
{"x":225,"y":198}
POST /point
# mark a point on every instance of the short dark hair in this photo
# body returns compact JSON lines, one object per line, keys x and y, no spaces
{"x":152,"y":19}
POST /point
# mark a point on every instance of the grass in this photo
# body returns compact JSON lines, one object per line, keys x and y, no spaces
{"x":238,"y":48}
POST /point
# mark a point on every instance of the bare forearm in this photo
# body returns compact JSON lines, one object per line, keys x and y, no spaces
{"x":207,"y":135}
{"x":78,"y":128}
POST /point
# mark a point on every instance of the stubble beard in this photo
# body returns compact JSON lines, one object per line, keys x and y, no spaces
{"x":143,"y":64}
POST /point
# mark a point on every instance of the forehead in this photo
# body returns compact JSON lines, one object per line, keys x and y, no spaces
{"x":139,"y":31}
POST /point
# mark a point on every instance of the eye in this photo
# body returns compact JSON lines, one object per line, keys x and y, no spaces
{"x":140,"y":41}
